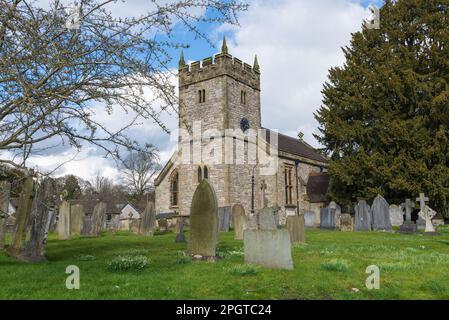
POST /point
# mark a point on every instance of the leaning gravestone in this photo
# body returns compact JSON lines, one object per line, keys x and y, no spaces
{"x":268,"y":248}
{"x":98,"y":219}
{"x":64,"y":221}
{"x":87,"y":226}
{"x":76,"y":219}
{"x":203,"y":221}
{"x":346,"y":223}
{"x":148,"y":222}
{"x":239,"y":221}
{"x":267,"y":219}
{"x":224,"y":219}
{"x":363,"y":217}
{"x":296,"y":229}
{"x":309,"y":218}
{"x":328,"y":218}
{"x":396,"y":215}
{"x":381,"y":214}
{"x":5,"y":188}
{"x":180,"y":236}
{"x":334,"y":205}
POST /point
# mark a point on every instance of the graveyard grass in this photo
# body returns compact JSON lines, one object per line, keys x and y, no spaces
{"x":328,"y":267}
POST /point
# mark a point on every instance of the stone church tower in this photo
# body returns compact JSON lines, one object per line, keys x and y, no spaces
{"x":219,"y":96}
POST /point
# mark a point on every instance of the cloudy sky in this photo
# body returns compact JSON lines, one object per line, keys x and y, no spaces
{"x":296,"y":42}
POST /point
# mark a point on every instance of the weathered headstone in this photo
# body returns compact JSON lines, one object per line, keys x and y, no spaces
{"x":239,"y":221}
{"x":408,"y":226}
{"x":98,"y":219}
{"x":224,"y":218}
{"x":180,"y":236}
{"x":76,"y":219}
{"x":23,"y":211}
{"x":163,"y":225}
{"x":148,"y":222}
{"x":115,"y":223}
{"x":134,"y":226}
{"x":296,"y":228}
{"x":363,"y":217}
{"x":268,"y":248}
{"x":427,"y":215}
{"x":381,"y":214}
{"x":334,"y":205}
{"x":328,"y":218}
{"x":267,"y":219}
{"x":203,"y":221}
{"x":64,"y":221}
{"x":346,"y":223}
{"x":87,"y":226}
{"x":309,"y":218}
{"x":5,"y":189}
{"x":396,"y":215}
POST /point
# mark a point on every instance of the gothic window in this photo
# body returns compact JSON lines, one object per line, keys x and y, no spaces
{"x":205,"y":173}
{"x":200,"y":174}
{"x":288,"y":185}
{"x":174,"y":189}
{"x":243,"y":97}
{"x":202,"y":96}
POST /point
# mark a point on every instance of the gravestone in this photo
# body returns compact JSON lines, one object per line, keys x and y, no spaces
{"x":427,"y":215}
{"x":408,"y":226}
{"x":115,"y":223}
{"x":296,"y":228}
{"x":224,"y":218}
{"x":346,"y":223}
{"x":87,"y":226}
{"x":422,"y":199}
{"x":363,"y":218}
{"x":76,"y":219}
{"x":163,"y":225}
{"x":134,"y":226}
{"x":22,"y":215}
{"x":267,"y":219}
{"x":98,"y":219}
{"x":328,"y":218}
{"x":309,"y":218}
{"x":239,"y":221}
{"x":64,"y":221}
{"x":203,"y":221}
{"x":5,"y":189}
{"x":334,"y":205}
{"x":180,"y":236}
{"x":381,"y":214}
{"x":268,"y":248}
{"x":396,"y":215}
{"x":148,"y":220}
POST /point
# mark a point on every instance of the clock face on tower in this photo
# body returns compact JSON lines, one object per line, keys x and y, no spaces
{"x":244,"y":124}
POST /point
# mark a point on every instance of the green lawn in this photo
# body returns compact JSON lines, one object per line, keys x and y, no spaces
{"x":327,"y":267}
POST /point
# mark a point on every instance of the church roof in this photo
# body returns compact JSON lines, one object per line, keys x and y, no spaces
{"x":317,"y":187}
{"x":297,"y":147}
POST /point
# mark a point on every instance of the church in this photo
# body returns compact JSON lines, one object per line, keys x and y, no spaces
{"x":222,"y":140}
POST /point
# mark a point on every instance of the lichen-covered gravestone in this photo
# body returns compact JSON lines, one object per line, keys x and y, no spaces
{"x":64,"y":221}
{"x":328,"y":218}
{"x":239,"y":221}
{"x":268,"y":248}
{"x":76,"y":219}
{"x":267,"y":219}
{"x":334,"y":205}
{"x":224,"y":219}
{"x":203,"y":221}
{"x":363,"y":218}
{"x":346,"y":223}
{"x":5,"y":188}
{"x":296,"y":229}
{"x":309,"y":218}
{"x":98,"y":219}
{"x":180,"y":236}
{"x":396,"y":215}
{"x":381,"y":214}
{"x":148,"y":222}
{"x":87,"y":226}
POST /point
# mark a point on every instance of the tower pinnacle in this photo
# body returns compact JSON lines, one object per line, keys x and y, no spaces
{"x":182,"y":62}
{"x":224,"y":46}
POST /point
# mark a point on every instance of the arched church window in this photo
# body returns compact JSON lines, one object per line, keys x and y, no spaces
{"x":243,"y":97}
{"x":200,"y":174}
{"x":174,"y":189}
{"x":206,"y":173}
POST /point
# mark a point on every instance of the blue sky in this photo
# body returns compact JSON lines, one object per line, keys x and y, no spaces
{"x":296,"y":41}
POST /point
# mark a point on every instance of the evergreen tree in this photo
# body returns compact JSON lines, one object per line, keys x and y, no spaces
{"x":384,"y":121}
{"x":72,"y":187}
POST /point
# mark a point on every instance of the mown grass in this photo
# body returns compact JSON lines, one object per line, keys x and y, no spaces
{"x":329,"y":266}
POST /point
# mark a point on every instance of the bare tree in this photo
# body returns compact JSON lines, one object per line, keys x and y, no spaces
{"x":54,"y":73}
{"x":140,"y":168}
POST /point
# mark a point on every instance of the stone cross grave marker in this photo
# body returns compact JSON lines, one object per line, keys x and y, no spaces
{"x":267,"y":219}
{"x":422,"y":199}
{"x":203,"y":221}
{"x":408,"y":226}
{"x":427,"y":214}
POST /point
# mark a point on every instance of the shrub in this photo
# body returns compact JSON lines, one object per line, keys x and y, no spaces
{"x":339,"y":265}
{"x":243,"y":270}
{"x":128,"y":263}
{"x":183,"y":258}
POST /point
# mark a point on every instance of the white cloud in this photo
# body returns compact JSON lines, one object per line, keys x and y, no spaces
{"x":296,"y":41}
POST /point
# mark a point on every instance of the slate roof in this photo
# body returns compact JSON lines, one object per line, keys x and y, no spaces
{"x":317,"y":187}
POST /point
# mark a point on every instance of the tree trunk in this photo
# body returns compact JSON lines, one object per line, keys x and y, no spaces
{"x":5,"y":188}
